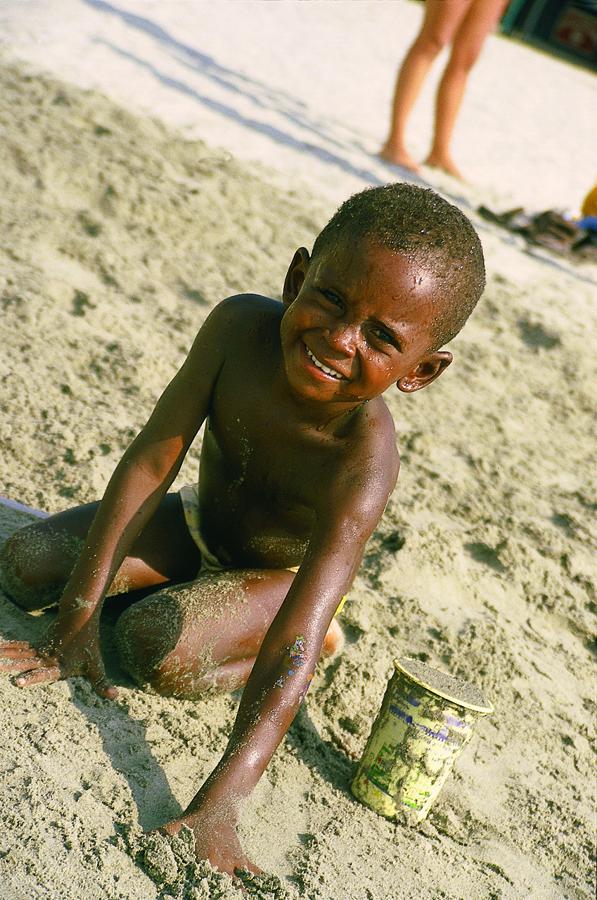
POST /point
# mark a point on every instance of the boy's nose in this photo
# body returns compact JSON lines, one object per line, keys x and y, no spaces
{"x":342,"y":338}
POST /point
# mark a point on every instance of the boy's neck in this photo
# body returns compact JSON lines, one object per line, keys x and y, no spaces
{"x":322,"y":417}
{"x":331,"y":420}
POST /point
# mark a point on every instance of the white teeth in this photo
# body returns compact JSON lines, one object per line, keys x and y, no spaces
{"x":321,"y":366}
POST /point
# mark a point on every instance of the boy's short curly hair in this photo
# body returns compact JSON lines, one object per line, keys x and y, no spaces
{"x":417,"y":221}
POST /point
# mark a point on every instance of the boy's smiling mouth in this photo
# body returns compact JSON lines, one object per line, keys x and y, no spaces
{"x":331,"y":373}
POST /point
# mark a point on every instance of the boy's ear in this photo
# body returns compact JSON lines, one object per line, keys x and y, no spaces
{"x":430,"y":368}
{"x":295,"y":276}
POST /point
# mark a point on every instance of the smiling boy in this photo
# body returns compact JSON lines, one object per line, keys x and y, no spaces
{"x":297,"y":464}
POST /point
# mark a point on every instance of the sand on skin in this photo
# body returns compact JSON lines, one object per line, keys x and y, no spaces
{"x":119,"y":236}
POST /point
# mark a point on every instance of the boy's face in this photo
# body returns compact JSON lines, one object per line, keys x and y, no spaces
{"x":358,"y":320}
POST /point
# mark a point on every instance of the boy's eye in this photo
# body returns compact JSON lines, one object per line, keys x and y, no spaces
{"x":382,"y":335}
{"x":331,"y":296}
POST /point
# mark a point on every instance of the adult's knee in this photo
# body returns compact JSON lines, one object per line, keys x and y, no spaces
{"x":462,"y":59}
{"x":34,"y":565}
{"x":430,"y":44}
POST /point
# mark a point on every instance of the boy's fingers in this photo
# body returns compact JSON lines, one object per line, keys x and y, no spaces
{"x":8,"y":652}
{"x":43,"y":675}
{"x":169,"y":827}
{"x":101,"y":685}
{"x":104,"y":689}
{"x":21,"y":664}
{"x":7,"y":645}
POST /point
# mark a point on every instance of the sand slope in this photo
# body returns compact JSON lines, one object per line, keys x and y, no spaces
{"x":306,"y":87}
{"x":118,"y":237}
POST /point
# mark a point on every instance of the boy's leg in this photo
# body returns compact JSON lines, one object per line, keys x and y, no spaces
{"x":36,"y":561}
{"x":441,"y":20}
{"x":480,"y":19}
{"x":205,"y":635}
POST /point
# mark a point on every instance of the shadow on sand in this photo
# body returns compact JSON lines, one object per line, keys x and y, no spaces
{"x":321,"y":138}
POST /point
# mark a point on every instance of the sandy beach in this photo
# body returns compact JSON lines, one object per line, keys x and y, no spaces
{"x":156,"y":157}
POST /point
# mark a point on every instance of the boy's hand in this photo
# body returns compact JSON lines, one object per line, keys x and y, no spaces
{"x":215,"y":840}
{"x":65,"y":652}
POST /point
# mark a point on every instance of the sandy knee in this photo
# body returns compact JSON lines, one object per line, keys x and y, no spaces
{"x":35,"y":563}
{"x":154,"y":649}
{"x":146,"y":634}
{"x":14,"y":580}
{"x":171,"y":641}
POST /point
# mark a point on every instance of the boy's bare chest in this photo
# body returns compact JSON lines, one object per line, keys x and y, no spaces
{"x":265,"y":450}
{"x":267,"y":456}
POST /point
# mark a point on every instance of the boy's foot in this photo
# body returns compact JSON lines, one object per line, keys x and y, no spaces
{"x":399,"y":158}
{"x":445,"y":163}
{"x":334,"y":639}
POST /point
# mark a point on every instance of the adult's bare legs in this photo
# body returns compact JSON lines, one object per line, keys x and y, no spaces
{"x":440,"y":23}
{"x":480,"y":18}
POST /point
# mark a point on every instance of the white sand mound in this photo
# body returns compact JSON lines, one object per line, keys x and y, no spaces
{"x":118,"y":237}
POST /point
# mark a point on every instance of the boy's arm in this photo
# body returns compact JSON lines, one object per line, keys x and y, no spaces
{"x":133,"y":494}
{"x":284,"y":668}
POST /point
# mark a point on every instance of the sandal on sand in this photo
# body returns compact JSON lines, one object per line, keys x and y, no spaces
{"x":547,"y":229}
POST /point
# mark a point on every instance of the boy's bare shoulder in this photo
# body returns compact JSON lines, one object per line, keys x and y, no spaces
{"x":226,"y":330}
{"x":241,"y":310}
{"x":381,"y":438}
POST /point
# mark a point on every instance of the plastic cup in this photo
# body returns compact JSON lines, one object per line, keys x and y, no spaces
{"x":426,"y":719}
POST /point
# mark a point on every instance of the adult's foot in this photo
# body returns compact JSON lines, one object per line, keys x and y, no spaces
{"x":399,"y":157}
{"x":445,"y":163}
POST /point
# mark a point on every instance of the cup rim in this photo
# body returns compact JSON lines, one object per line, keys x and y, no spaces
{"x":400,"y":665}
